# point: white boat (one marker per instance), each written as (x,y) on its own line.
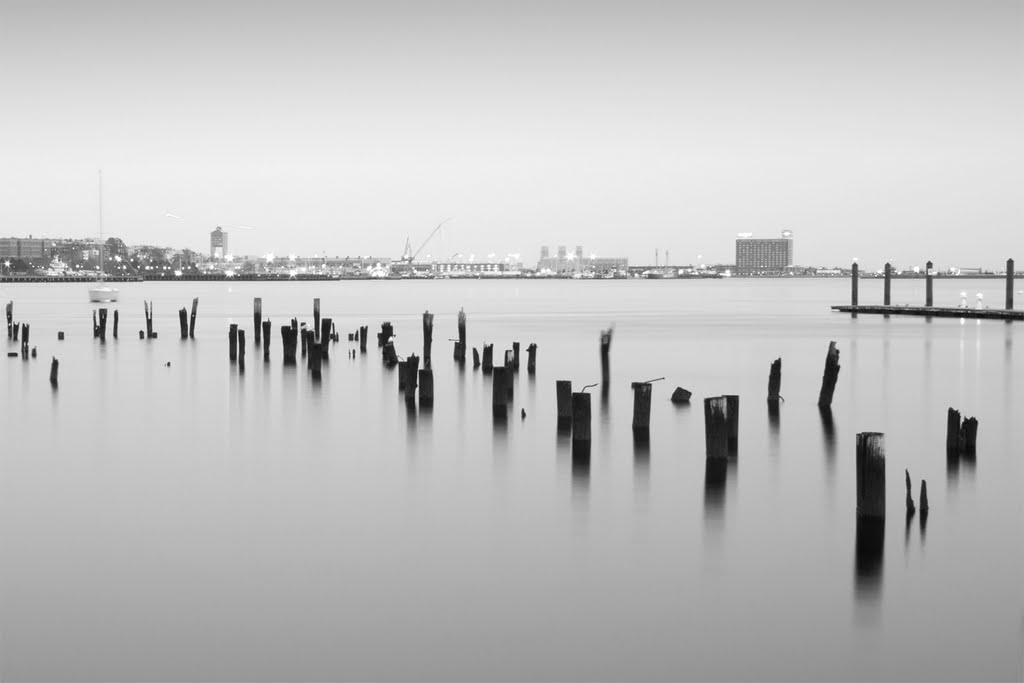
(102,293)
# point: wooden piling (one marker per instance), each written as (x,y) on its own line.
(716,427)
(681,396)
(581,416)
(460,345)
(928,284)
(412,367)
(509,374)
(911,508)
(515,356)
(232,342)
(854,283)
(289,341)
(1009,284)
(499,392)
(60,336)
(563,398)
(149,318)
(387,331)
(732,421)
(924,497)
(266,340)
(952,431)
(16,328)
(53,371)
(183,322)
(257,318)
(316,317)
(887,290)
(488,358)
(871,475)
(325,338)
(389,354)
(95,325)
(531,359)
(775,381)
(115,323)
(25,329)
(830,376)
(476,358)
(428,337)
(401,376)
(103,324)
(192,319)
(363,332)
(10,320)
(968,436)
(606,344)
(315,361)
(426,387)
(641,406)
(241,350)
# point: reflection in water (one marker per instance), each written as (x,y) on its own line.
(910,523)
(641,455)
(500,421)
(828,432)
(773,418)
(715,476)
(868,547)
(580,465)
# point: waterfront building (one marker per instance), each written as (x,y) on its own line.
(764,256)
(568,265)
(17,247)
(218,243)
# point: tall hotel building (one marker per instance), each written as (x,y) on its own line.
(764,256)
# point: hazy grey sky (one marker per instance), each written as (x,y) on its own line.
(877,129)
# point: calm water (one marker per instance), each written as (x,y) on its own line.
(192,523)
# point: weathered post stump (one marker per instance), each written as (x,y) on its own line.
(386,333)
(581,417)
(363,332)
(314,357)
(1009,284)
(499,393)
(412,366)
(775,381)
(488,358)
(10,320)
(60,336)
(887,293)
(148,305)
(515,356)
(95,326)
(266,340)
(531,359)
(871,475)
(289,341)
(476,358)
(316,317)
(115,323)
(460,346)
(257,318)
(641,408)
(183,322)
(928,289)
(241,350)
(681,395)
(103,324)
(854,282)
(716,427)
(606,345)
(401,376)
(830,376)
(732,420)
(563,401)
(232,342)
(428,337)
(53,371)
(325,338)
(910,498)
(426,387)
(192,319)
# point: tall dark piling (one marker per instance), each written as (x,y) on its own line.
(911,508)
(499,393)
(732,421)
(854,282)
(1009,284)
(233,342)
(95,325)
(606,345)
(53,371)
(304,338)
(775,381)
(389,355)
(325,338)
(961,435)
(103,324)
(315,361)
(60,336)
(412,368)
(871,475)
(969,436)
(266,340)
(830,376)
(426,387)
(428,337)
(580,417)
(257,318)
(10,320)
(401,376)
(192,319)
(488,358)
(929,276)
(183,322)
(563,399)
(387,332)
(716,427)
(515,356)
(25,329)
(148,306)
(316,316)
(641,408)
(16,328)
(460,346)
(531,359)
(289,341)
(476,358)
(241,350)
(952,431)
(363,332)
(924,497)
(115,323)
(887,289)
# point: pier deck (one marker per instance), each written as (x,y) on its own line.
(936,312)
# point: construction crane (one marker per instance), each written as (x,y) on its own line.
(408,255)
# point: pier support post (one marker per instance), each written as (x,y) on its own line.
(854,282)
(716,428)
(952,431)
(509,373)
(316,317)
(606,345)
(1009,284)
(460,346)
(499,392)
(10,320)
(531,359)
(928,289)
(488,358)
(428,337)
(53,371)
(364,330)
(266,340)
(476,358)
(257,318)
(641,408)
(289,340)
(412,368)
(563,398)
(581,417)
(775,381)
(871,475)
(241,350)
(325,339)
(515,356)
(115,323)
(192,319)
(232,342)
(732,421)
(887,292)
(830,376)
(426,387)
(148,307)
(183,322)
(314,356)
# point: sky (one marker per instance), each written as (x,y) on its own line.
(875,129)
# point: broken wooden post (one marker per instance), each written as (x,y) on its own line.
(316,316)
(488,358)
(53,371)
(257,318)
(363,332)
(325,338)
(476,358)
(115,323)
(60,336)
(10,320)
(241,350)
(606,343)
(192,319)
(390,356)
(289,341)
(232,342)
(928,289)
(142,334)
(775,381)
(103,324)
(531,359)
(412,367)
(460,345)
(968,436)
(149,318)
(681,395)
(732,420)
(716,427)
(871,475)
(302,334)
(952,431)
(641,407)
(428,337)
(95,326)
(828,379)
(426,387)
(887,288)
(387,332)
(515,356)
(910,498)
(581,417)
(924,498)
(509,374)
(33,352)
(315,361)
(401,376)
(183,322)
(854,281)
(266,340)
(25,329)
(499,393)
(1009,284)
(563,398)
(17,326)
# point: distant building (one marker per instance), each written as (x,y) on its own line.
(567,265)
(764,256)
(218,244)
(579,252)
(17,247)
(544,252)
(561,251)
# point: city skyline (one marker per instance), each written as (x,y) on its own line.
(884,132)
